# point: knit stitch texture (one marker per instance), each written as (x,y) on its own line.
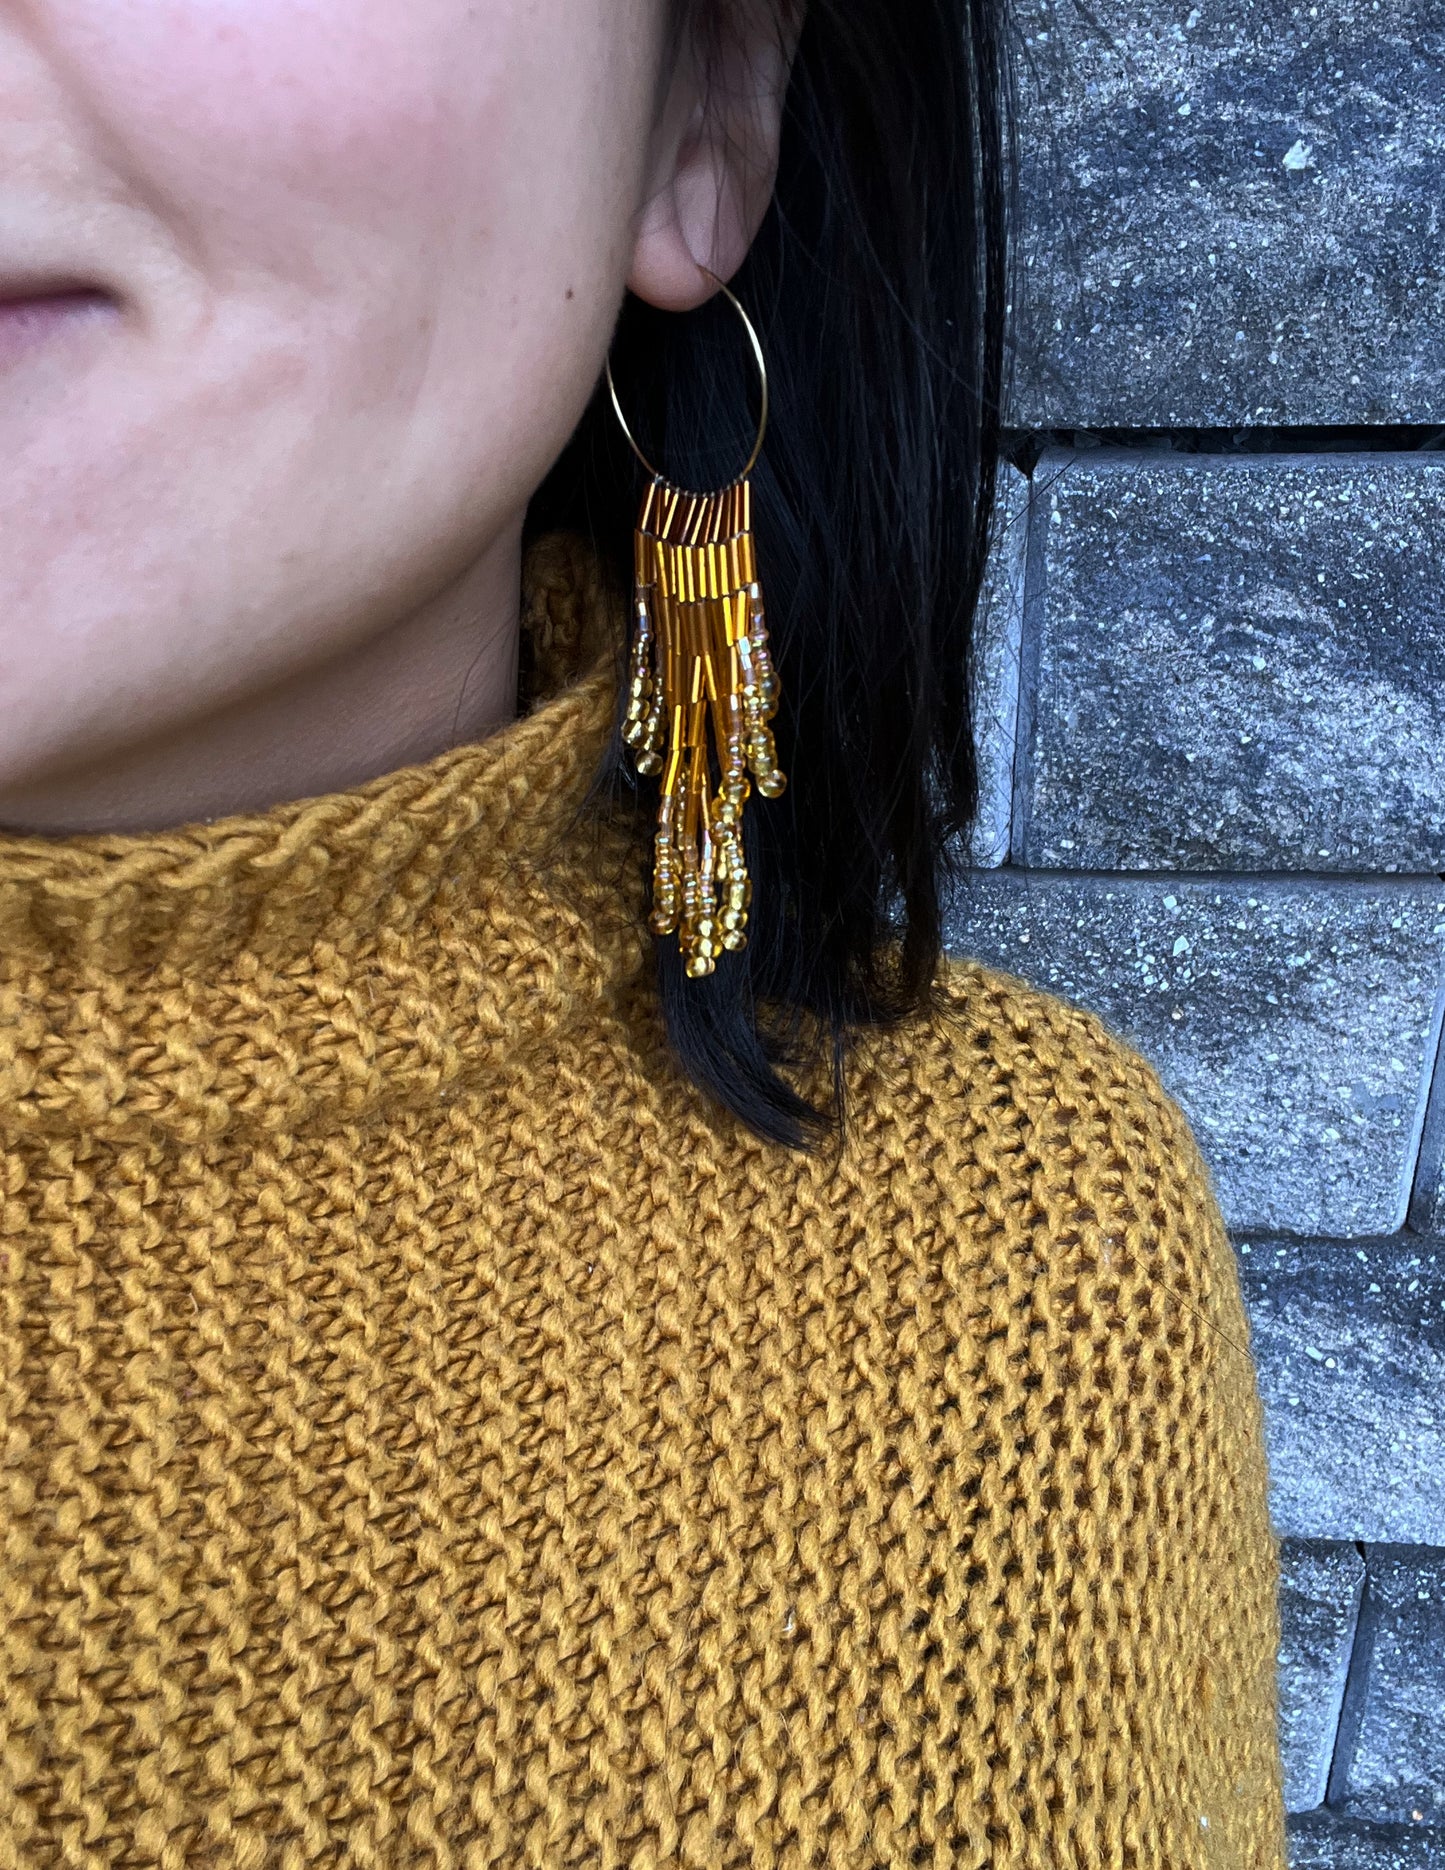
(434,1435)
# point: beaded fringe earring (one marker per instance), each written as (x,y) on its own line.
(700,662)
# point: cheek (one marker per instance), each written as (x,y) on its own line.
(412,210)
(317,142)
(248,124)
(374,249)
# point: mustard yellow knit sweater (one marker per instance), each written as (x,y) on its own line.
(433,1435)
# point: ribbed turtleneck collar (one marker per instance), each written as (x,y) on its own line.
(334,953)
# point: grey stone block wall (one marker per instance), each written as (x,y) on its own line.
(1427,1207)
(1232,214)
(1389,1760)
(1349,1343)
(1236,665)
(1319,1606)
(1319,1840)
(995,675)
(1210,684)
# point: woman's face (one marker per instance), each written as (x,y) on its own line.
(358,263)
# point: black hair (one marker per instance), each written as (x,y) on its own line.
(879,284)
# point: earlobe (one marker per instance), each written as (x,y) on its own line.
(678,242)
(712,181)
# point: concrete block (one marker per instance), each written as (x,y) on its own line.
(1390,1762)
(1321,1840)
(1427,1205)
(1231,214)
(1319,1601)
(1349,1342)
(1293,1021)
(1238,664)
(995,673)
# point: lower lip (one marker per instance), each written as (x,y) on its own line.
(29,325)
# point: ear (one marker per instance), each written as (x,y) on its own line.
(714,155)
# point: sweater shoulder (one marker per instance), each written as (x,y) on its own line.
(989,1028)
(1036,1082)
(1033,1144)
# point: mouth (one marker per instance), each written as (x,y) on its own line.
(33,316)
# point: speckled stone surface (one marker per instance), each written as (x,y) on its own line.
(1323,1841)
(1294,1022)
(1390,1760)
(1235,664)
(995,676)
(1232,214)
(1349,1341)
(1427,1207)
(1319,1600)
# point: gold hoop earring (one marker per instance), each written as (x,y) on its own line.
(700,659)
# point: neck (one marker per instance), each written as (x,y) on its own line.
(493,866)
(442,676)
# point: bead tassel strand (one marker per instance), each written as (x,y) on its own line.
(700,659)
